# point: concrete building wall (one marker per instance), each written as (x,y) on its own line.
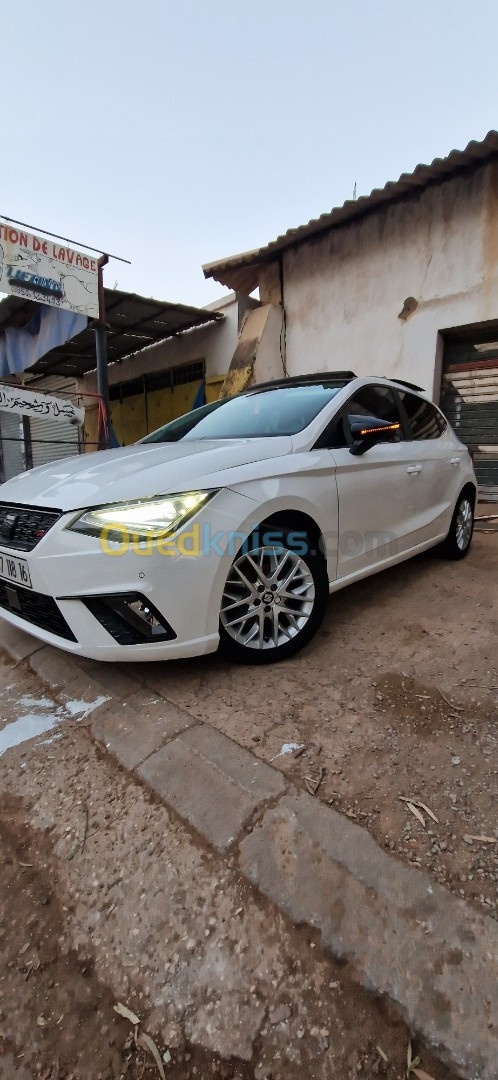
(345,290)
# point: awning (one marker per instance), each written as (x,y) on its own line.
(134,322)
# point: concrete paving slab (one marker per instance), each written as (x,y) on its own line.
(404,935)
(211,782)
(53,666)
(16,643)
(134,731)
(109,676)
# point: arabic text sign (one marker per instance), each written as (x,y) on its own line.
(36,268)
(18,400)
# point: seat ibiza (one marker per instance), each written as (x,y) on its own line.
(231,525)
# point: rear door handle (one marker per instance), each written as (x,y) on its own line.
(413,469)
(455,460)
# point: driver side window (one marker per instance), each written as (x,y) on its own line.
(376,401)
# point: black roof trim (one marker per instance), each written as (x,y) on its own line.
(410,385)
(305,380)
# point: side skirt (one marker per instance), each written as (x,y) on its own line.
(375,568)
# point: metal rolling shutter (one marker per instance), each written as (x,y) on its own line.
(469,399)
(53,439)
(12,445)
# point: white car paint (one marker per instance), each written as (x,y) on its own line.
(404,492)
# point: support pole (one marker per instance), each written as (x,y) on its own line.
(101,352)
(102,380)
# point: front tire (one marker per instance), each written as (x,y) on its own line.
(274,599)
(459,538)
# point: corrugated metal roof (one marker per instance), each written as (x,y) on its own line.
(134,322)
(240,272)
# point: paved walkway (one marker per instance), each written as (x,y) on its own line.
(404,936)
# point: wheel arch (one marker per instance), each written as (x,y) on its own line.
(280,513)
(469,489)
(299,521)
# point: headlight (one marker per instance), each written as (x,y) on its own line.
(145,518)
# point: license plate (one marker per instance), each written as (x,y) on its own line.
(15,570)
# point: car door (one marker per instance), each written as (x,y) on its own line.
(375,493)
(434,473)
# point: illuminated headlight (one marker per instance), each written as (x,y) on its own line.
(147,518)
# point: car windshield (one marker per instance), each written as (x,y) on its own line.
(264,413)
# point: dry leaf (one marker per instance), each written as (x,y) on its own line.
(421,1075)
(128,1015)
(149,1044)
(417,813)
(381,1052)
(411,1062)
(418,802)
(40,1020)
(459,708)
(485,839)
(426,808)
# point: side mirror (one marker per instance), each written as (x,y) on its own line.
(368,430)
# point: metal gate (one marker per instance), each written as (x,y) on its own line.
(31,441)
(51,440)
(469,398)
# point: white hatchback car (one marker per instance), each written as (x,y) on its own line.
(233,523)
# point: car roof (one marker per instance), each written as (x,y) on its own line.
(337,378)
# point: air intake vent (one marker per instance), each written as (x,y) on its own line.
(35,608)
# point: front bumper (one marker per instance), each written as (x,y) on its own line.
(74,578)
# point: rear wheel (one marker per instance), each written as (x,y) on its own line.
(274,599)
(459,539)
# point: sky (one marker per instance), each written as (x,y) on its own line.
(174,134)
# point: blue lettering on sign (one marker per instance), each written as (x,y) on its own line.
(21,277)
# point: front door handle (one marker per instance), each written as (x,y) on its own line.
(412,470)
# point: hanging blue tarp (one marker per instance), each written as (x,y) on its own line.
(200,397)
(21,347)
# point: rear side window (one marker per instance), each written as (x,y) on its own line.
(425,421)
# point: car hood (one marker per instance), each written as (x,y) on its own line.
(138,471)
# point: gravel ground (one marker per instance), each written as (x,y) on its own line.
(395,698)
(105,897)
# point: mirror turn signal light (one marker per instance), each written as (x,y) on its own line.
(380,430)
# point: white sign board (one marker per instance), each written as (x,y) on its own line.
(36,268)
(15,399)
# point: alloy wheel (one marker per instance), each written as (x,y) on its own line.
(463,524)
(268,598)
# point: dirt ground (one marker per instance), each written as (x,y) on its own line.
(105,897)
(396,698)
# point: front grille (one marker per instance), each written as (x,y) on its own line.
(35,608)
(22,527)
